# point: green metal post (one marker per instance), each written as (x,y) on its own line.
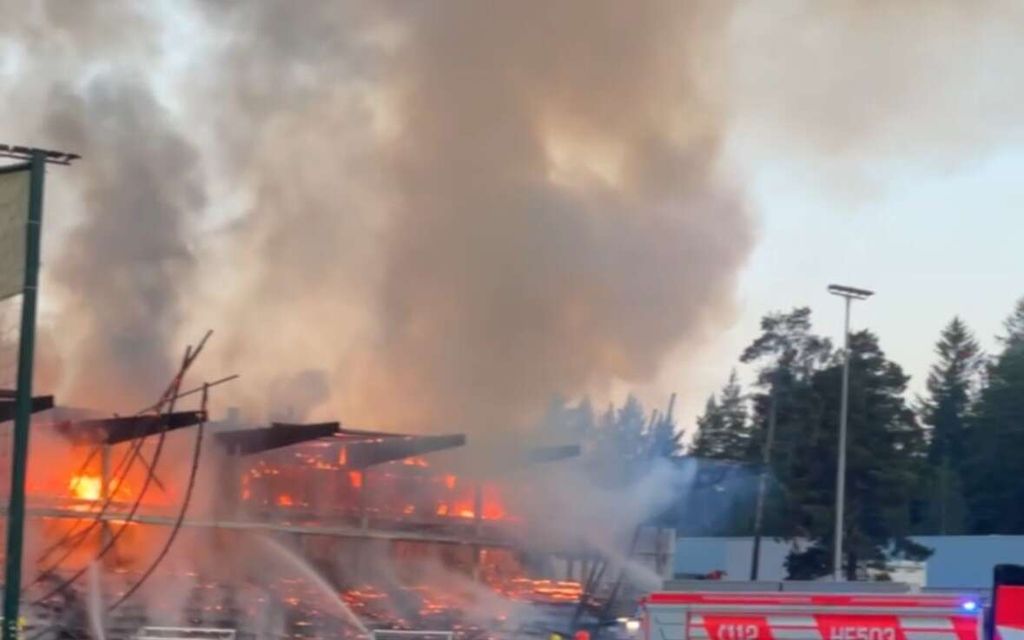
(23,402)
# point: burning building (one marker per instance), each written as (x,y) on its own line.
(307,530)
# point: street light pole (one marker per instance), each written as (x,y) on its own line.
(848,294)
(762,481)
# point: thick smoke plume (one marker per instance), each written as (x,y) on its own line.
(557,220)
(545,213)
(127,266)
(443,213)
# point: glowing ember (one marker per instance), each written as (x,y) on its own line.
(355,478)
(285,500)
(542,590)
(449,481)
(86,487)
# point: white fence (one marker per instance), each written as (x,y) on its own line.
(184,633)
(410,634)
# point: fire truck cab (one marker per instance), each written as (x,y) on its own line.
(808,616)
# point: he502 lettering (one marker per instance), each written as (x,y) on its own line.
(862,633)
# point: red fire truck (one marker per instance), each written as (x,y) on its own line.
(809,616)
(1006,620)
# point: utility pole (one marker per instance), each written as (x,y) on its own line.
(34,161)
(848,294)
(762,482)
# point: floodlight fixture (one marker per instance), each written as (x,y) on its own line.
(849,292)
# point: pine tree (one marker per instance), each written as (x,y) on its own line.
(627,429)
(1014,327)
(952,383)
(723,432)
(787,344)
(884,449)
(627,439)
(710,426)
(788,355)
(995,463)
(664,440)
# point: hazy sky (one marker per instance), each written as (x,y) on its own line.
(932,243)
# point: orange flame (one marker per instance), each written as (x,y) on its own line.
(355,478)
(285,500)
(86,487)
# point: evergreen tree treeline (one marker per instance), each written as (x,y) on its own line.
(951,462)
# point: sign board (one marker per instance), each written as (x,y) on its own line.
(14,197)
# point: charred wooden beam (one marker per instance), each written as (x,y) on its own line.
(122,429)
(362,454)
(39,403)
(276,436)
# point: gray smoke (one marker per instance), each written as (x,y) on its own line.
(453,210)
(484,205)
(850,92)
(117,256)
(127,268)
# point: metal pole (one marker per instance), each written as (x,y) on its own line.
(23,402)
(837,559)
(762,483)
(105,489)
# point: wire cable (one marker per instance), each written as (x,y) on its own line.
(190,356)
(75,537)
(186,500)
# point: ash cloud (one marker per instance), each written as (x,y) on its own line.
(126,269)
(117,257)
(547,213)
(453,210)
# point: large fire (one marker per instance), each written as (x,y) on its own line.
(322,484)
(303,483)
(86,487)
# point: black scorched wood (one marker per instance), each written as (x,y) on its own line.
(123,429)
(390,447)
(39,403)
(276,436)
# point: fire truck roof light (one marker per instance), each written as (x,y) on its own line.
(970,605)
